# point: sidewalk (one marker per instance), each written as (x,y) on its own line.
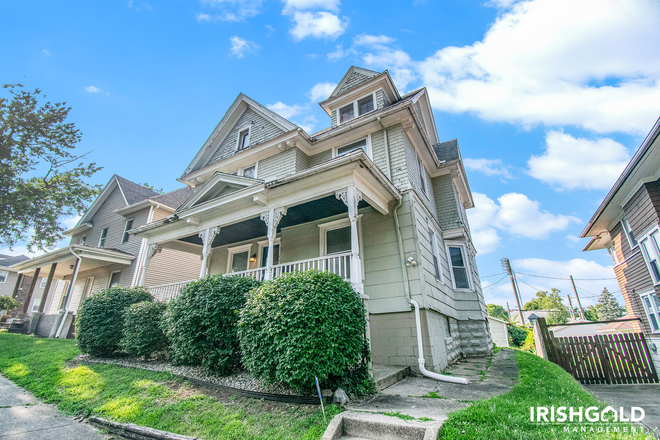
(23,417)
(644,395)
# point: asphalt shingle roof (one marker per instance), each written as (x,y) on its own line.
(175,198)
(8,260)
(133,192)
(447,150)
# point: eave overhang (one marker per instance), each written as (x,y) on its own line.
(105,256)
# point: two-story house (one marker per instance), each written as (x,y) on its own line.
(17,285)
(102,254)
(627,224)
(375,198)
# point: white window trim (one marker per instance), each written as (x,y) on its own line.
(110,277)
(91,286)
(36,303)
(369,150)
(611,249)
(103,237)
(466,260)
(648,312)
(355,108)
(264,244)
(624,222)
(421,169)
(247,127)
(126,230)
(338,224)
(239,172)
(435,247)
(6,276)
(647,236)
(238,250)
(42,283)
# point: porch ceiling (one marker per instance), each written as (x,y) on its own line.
(255,227)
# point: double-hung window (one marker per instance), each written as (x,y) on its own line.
(434,252)
(3,276)
(359,145)
(356,108)
(115,277)
(104,234)
(629,234)
(651,251)
(43,282)
(652,308)
(127,227)
(611,249)
(365,105)
(239,258)
(346,113)
(459,266)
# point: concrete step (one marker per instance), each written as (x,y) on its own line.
(369,426)
(387,375)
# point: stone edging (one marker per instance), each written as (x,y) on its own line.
(135,432)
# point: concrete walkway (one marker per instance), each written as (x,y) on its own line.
(489,376)
(643,395)
(23,417)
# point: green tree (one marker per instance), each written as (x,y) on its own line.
(497,311)
(8,303)
(591,313)
(545,300)
(41,178)
(608,307)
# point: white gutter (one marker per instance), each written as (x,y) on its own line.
(418,323)
(71,287)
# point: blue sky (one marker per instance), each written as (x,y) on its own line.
(548,98)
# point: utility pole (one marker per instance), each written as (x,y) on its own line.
(570,307)
(578,298)
(507,267)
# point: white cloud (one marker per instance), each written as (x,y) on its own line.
(318,25)
(572,239)
(594,64)
(200,16)
(578,163)
(321,91)
(45,52)
(240,46)
(231,10)
(92,89)
(398,62)
(489,167)
(501,4)
(330,5)
(371,40)
(286,111)
(515,214)
(271,30)
(142,7)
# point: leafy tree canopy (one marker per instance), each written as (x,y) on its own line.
(41,177)
(591,313)
(545,300)
(608,307)
(497,311)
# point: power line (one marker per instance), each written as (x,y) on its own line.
(490,276)
(566,279)
(490,287)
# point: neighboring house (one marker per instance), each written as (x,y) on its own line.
(617,327)
(102,254)
(515,318)
(627,224)
(499,330)
(590,329)
(17,285)
(375,198)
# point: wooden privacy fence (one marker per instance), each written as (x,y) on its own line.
(611,359)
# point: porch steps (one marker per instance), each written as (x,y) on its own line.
(351,425)
(387,375)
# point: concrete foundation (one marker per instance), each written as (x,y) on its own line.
(475,338)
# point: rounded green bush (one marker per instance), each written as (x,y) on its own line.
(517,335)
(100,319)
(202,320)
(143,332)
(303,325)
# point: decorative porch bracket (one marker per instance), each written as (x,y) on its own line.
(272,218)
(207,237)
(152,250)
(352,197)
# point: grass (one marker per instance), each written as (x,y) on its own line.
(432,395)
(157,400)
(541,383)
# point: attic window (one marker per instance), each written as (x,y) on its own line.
(346,113)
(244,138)
(365,105)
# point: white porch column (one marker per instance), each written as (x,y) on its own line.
(207,237)
(152,250)
(272,218)
(351,197)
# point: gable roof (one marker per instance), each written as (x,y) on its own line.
(448,150)
(353,78)
(226,124)
(133,192)
(175,198)
(8,260)
(213,187)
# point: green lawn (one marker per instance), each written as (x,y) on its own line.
(541,383)
(157,400)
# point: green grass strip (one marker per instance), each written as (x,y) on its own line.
(541,383)
(153,399)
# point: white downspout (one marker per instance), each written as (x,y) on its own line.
(72,286)
(418,323)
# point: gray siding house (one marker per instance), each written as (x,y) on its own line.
(376,198)
(627,224)
(102,254)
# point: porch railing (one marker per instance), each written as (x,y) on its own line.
(339,264)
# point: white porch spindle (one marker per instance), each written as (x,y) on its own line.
(351,197)
(207,237)
(272,218)
(152,250)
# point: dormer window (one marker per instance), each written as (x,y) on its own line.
(243,138)
(362,144)
(346,113)
(365,105)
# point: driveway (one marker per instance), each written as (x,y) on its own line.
(646,396)
(23,417)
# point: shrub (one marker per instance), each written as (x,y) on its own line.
(517,335)
(100,319)
(202,322)
(143,332)
(303,325)
(8,303)
(529,344)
